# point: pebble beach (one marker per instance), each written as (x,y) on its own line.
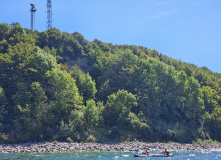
(109,146)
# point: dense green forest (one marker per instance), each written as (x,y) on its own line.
(57,86)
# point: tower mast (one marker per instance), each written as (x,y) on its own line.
(33,10)
(49,14)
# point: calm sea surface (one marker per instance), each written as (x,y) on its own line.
(184,155)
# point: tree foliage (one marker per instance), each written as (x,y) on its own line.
(128,92)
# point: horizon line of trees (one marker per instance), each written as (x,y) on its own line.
(129,92)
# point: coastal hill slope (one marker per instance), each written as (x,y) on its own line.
(57,86)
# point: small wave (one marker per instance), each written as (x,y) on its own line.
(126,155)
(38,155)
(193,155)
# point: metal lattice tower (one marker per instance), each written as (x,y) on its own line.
(33,10)
(49,14)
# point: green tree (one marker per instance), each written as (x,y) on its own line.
(41,60)
(4,33)
(92,113)
(18,35)
(118,107)
(30,111)
(86,85)
(66,96)
(210,97)
(3,101)
(194,102)
(4,30)
(38,101)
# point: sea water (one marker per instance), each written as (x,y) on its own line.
(178,155)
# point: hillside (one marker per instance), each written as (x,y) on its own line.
(57,86)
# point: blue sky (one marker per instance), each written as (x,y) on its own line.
(186,30)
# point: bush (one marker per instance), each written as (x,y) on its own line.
(69,140)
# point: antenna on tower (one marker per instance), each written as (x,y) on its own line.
(33,10)
(49,14)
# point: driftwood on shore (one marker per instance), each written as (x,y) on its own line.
(123,147)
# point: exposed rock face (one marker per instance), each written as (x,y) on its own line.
(82,61)
(122,147)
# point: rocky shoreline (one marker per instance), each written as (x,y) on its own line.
(96,147)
